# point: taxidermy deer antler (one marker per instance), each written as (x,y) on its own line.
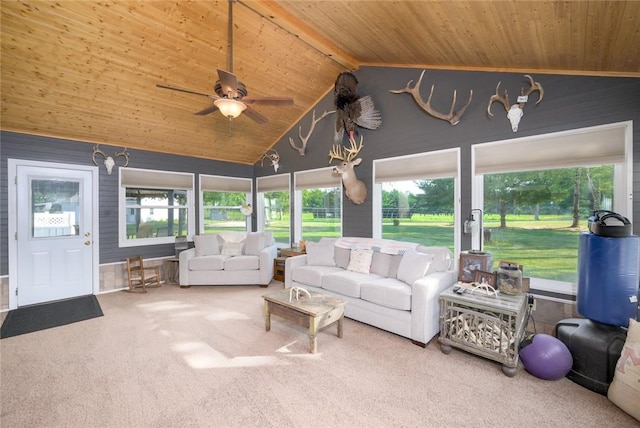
(274,157)
(453,117)
(515,112)
(109,161)
(304,140)
(355,189)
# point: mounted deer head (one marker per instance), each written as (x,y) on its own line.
(109,161)
(304,140)
(274,157)
(355,189)
(514,112)
(453,117)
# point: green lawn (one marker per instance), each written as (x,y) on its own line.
(547,247)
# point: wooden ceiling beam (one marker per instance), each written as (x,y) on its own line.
(272,12)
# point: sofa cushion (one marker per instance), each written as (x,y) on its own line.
(242,263)
(320,254)
(206,245)
(388,292)
(232,248)
(360,261)
(254,243)
(207,262)
(312,275)
(346,282)
(342,256)
(413,266)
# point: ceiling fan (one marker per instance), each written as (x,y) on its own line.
(231,94)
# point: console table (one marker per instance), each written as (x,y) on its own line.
(487,325)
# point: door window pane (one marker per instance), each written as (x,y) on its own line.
(55,208)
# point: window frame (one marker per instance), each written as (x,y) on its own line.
(563,291)
(133,178)
(260,202)
(223,184)
(446,171)
(319,182)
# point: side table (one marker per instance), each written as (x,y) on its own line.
(172,270)
(487,325)
(278,268)
(290,252)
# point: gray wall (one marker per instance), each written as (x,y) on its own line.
(569,102)
(30,147)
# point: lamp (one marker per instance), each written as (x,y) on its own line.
(229,107)
(474,228)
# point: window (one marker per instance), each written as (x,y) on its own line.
(221,199)
(273,212)
(155,206)
(537,194)
(318,204)
(414,198)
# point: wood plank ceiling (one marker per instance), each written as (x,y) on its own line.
(87,70)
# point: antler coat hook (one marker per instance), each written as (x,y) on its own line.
(109,161)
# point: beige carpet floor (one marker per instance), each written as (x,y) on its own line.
(200,357)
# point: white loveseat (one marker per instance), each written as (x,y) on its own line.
(229,258)
(388,284)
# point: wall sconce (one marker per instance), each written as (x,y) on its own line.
(274,157)
(109,161)
(474,227)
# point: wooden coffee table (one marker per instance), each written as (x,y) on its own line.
(315,312)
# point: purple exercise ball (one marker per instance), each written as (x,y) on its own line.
(545,356)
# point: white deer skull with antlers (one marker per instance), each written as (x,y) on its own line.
(515,112)
(109,161)
(273,157)
(355,189)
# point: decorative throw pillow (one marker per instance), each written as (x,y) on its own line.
(413,266)
(232,248)
(624,390)
(360,261)
(342,256)
(206,245)
(380,264)
(233,236)
(254,243)
(320,254)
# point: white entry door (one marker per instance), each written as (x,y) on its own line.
(54,233)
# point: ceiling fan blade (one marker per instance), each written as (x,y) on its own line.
(188,91)
(229,83)
(269,101)
(255,116)
(208,110)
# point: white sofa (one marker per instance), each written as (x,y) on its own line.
(388,284)
(229,258)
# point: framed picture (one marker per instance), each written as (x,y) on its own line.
(481,276)
(470,263)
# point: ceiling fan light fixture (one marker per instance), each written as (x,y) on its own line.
(229,107)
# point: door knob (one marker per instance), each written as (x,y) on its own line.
(87,234)
(87,242)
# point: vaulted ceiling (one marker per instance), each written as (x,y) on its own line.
(87,70)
